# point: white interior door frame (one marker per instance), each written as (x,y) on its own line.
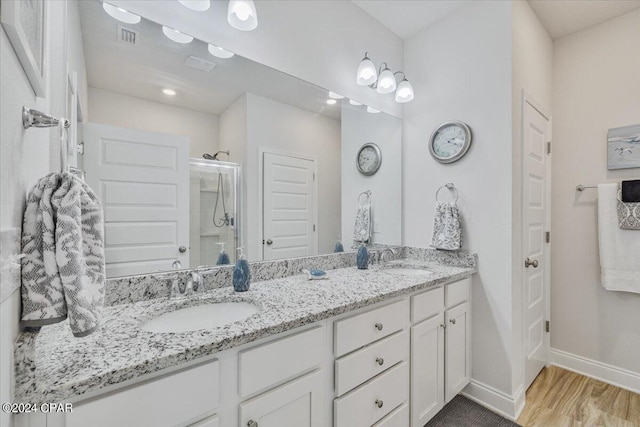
(527,98)
(261,152)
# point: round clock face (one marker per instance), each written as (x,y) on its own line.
(450,141)
(369,159)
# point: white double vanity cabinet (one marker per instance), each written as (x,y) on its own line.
(392,364)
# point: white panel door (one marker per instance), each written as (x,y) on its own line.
(142,179)
(457,349)
(535,213)
(289,207)
(427,369)
(297,403)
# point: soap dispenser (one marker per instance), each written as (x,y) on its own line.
(339,247)
(362,257)
(241,273)
(223,258)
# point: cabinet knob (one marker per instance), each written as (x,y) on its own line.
(379,403)
(378,326)
(528,262)
(443,326)
(380,361)
(269,242)
(182,249)
(252,423)
(453,321)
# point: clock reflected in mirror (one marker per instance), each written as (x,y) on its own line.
(450,141)
(369,159)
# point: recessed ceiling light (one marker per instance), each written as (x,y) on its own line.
(219,52)
(197,5)
(331,101)
(335,95)
(120,14)
(352,102)
(372,110)
(169,92)
(176,35)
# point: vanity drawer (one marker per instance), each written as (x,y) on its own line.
(277,361)
(399,417)
(362,365)
(365,328)
(457,292)
(427,304)
(367,404)
(174,399)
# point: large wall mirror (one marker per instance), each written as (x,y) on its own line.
(192,149)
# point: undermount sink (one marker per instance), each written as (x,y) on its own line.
(408,271)
(204,316)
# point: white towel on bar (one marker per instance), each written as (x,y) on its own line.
(619,249)
(63,271)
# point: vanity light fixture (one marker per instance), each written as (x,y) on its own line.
(383,80)
(120,14)
(335,95)
(197,5)
(169,92)
(356,103)
(219,52)
(176,35)
(242,15)
(331,101)
(372,110)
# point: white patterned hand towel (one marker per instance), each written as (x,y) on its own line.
(362,230)
(619,249)
(63,271)
(447,229)
(628,212)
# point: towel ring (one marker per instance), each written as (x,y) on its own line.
(364,193)
(448,186)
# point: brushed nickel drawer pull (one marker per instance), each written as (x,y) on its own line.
(378,326)
(380,361)
(379,403)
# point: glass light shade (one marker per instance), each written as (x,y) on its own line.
(120,14)
(169,92)
(386,82)
(176,35)
(197,5)
(331,101)
(367,73)
(242,15)
(219,52)
(335,95)
(372,110)
(356,103)
(404,93)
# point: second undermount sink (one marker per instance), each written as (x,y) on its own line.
(408,271)
(204,316)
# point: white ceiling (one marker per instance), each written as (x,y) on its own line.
(563,17)
(156,62)
(559,17)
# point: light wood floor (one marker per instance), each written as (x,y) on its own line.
(561,398)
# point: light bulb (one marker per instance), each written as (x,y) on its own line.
(372,110)
(219,52)
(356,103)
(331,101)
(386,82)
(120,14)
(367,73)
(335,95)
(404,92)
(197,5)
(242,15)
(176,35)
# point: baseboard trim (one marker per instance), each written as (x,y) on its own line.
(495,400)
(613,375)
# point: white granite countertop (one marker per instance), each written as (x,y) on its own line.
(53,366)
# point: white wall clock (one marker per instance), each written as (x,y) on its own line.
(450,141)
(369,159)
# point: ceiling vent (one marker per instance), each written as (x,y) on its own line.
(127,36)
(199,64)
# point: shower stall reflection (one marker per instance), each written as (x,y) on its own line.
(214,210)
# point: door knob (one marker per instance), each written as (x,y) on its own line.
(528,262)
(182,249)
(269,242)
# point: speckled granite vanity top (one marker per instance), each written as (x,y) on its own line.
(54,366)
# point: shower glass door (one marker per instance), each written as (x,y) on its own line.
(214,210)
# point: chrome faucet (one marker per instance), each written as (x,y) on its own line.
(194,285)
(384,252)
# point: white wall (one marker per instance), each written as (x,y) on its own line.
(320,41)
(596,84)
(463,65)
(111,108)
(358,128)
(532,71)
(25,156)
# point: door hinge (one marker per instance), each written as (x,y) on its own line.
(547,236)
(80,148)
(314,176)
(549,147)
(546,326)
(314,227)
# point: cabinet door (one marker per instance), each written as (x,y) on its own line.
(457,349)
(297,403)
(427,369)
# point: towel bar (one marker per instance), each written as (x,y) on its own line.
(35,118)
(581,187)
